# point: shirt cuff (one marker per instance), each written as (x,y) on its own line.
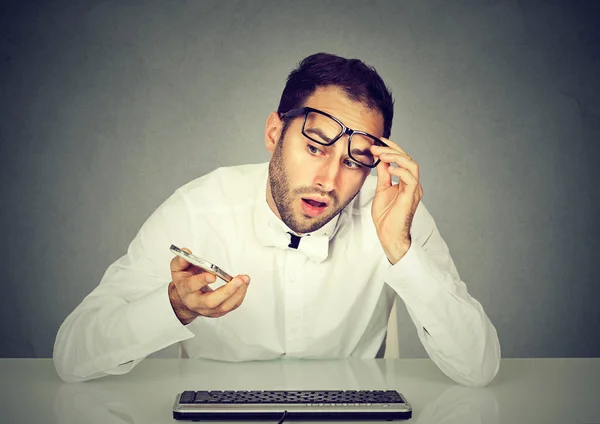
(153,322)
(416,275)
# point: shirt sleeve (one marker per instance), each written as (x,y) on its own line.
(452,326)
(128,315)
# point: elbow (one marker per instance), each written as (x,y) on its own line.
(482,377)
(60,360)
(474,374)
(74,365)
(64,366)
(64,371)
(490,366)
(65,359)
(482,360)
(482,368)
(476,366)
(65,374)
(489,360)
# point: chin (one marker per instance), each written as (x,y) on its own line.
(311,225)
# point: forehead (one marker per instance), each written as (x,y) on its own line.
(355,115)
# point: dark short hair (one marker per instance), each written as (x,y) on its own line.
(361,83)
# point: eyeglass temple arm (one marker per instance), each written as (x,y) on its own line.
(293,113)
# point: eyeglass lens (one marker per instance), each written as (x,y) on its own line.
(323,129)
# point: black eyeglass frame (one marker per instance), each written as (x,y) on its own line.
(293,113)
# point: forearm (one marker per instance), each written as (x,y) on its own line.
(452,325)
(111,335)
(460,339)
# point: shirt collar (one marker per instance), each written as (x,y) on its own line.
(272,231)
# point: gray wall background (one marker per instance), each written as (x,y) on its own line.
(108,106)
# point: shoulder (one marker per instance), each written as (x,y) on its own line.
(225,186)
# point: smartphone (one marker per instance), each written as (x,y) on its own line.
(201,263)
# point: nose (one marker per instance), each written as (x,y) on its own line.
(327,174)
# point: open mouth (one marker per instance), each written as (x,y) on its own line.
(313,207)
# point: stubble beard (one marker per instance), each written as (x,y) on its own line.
(284,197)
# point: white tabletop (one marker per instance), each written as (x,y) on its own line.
(525,390)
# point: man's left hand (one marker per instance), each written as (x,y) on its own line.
(394,204)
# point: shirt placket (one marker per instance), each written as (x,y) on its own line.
(293,289)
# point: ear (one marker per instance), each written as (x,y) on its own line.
(273,131)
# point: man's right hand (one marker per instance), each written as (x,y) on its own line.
(191,296)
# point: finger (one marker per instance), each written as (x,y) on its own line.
(384,178)
(394,146)
(405,176)
(180,268)
(206,289)
(231,303)
(188,272)
(196,283)
(179,264)
(402,161)
(214,299)
(378,151)
(381,152)
(397,158)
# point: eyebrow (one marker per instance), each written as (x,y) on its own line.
(363,152)
(318,132)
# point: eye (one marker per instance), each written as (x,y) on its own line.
(352,164)
(313,150)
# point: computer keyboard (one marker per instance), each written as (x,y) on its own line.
(295,404)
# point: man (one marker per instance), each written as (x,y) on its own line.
(325,245)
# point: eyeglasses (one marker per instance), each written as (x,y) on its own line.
(326,129)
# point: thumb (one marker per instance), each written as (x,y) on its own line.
(384,178)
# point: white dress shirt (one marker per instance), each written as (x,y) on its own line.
(330,298)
